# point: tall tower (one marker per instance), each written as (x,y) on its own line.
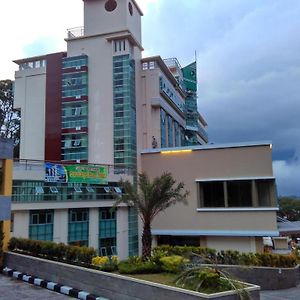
(101,71)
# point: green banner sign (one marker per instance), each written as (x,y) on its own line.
(87,174)
(76,173)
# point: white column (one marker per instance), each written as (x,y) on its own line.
(122,232)
(94,228)
(21,224)
(60,226)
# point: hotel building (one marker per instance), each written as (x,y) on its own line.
(100,112)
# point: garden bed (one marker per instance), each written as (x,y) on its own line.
(112,286)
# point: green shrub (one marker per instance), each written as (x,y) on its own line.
(137,266)
(53,251)
(230,257)
(173,264)
(105,263)
(206,280)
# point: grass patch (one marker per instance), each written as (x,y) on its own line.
(169,279)
(163,278)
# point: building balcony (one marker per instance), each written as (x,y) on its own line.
(76,32)
(32,184)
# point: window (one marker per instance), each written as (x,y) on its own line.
(264,192)
(170,132)
(77,189)
(118,190)
(78,228)
(41,225)
(53,189)
(239,193)
(1,175)
(90,189)
(212,194)
(39,190)
(77,143)
(163,128)
(235,193)
(107,189)
(133,234)
(107,231)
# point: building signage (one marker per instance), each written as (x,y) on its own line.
(76,173)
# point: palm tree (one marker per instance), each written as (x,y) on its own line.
(149,198)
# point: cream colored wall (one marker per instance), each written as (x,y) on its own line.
(60,205)
(94,228)
(98,21)
(241,244)
(21,224)
(100,104)
(30,87)
(60,226)
(214,163)
(152,101)
(122,232)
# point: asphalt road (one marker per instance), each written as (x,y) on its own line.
(13,289)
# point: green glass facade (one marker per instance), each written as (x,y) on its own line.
(39,191)
(191,109)
(133,233)
(163,128)
(41,225)
(107,232)
(78,227)
(74,123)
(124,100)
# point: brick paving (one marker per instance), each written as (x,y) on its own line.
(12,289)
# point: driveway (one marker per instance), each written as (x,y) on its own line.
(14,289)
(289,294)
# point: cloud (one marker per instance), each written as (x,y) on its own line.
(287,177)
(248,60)
(248,70)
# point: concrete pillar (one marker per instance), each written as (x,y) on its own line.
(255,202)
(21,224)
(225,194)
(7,190)
(122,232)
(94,228)
(60,226)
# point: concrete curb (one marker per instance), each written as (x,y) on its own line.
(52,286)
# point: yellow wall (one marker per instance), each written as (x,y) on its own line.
(7,190)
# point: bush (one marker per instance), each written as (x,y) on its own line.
(229,257)
(105,263)
(137,266)
(53,251)
(206,280)
(174,263)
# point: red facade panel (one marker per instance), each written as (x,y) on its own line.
(53,107)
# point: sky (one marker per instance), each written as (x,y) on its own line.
(248,58)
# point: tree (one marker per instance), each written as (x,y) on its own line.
(149,198)
(289,208)
(9,118)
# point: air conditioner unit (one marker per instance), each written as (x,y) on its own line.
(78,128)
(78,67)
(78,97)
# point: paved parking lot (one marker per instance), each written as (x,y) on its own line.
(289,294)
(12,289)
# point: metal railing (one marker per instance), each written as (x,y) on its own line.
(75,32)
(39,165)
